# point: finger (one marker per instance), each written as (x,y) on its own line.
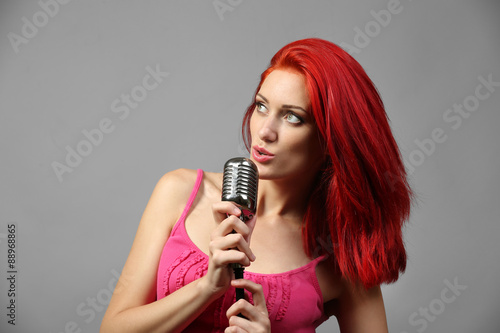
(234,329)
(242,324)
(225,258)
(225,226)
(253,320)
(241,227)
(243,307)
(222,209)
(229,225)
(231,249)
(259,299)
(236,241)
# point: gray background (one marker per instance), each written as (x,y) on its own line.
(74,233)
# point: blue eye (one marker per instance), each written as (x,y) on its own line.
(260,107)
(292,118)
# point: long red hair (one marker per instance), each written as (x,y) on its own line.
(361,198)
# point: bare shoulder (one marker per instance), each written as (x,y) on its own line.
(184,179)
(199,220)
(179,176)
(209,192)
(175,188)
(172,191)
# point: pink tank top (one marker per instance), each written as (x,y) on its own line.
(294,299)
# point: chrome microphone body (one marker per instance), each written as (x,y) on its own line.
(240,185)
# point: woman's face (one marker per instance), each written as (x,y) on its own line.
(285,141)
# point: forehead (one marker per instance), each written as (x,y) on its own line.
(285,87)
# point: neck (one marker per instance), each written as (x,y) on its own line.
(285,199)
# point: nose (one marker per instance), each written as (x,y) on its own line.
(268,131)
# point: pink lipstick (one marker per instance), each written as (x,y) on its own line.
(261,155)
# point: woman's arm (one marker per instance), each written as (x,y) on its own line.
(133,307)
(359,310)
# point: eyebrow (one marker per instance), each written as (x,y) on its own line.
(286,106)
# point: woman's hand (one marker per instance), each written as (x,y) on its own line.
(227,247)
(256,317)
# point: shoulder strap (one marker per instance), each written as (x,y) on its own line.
(196,187)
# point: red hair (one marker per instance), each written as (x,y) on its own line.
(361,197)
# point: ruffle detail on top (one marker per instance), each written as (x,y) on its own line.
(188,264)
(180,260)
(285,297)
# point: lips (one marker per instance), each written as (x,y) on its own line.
(261,154)
(262,151)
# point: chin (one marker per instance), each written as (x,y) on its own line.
(276,174)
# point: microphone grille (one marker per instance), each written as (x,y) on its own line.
(240,182)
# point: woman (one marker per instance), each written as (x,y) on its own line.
(332,200)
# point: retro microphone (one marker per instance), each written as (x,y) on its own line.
(239,185)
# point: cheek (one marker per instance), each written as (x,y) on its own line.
(297,146)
